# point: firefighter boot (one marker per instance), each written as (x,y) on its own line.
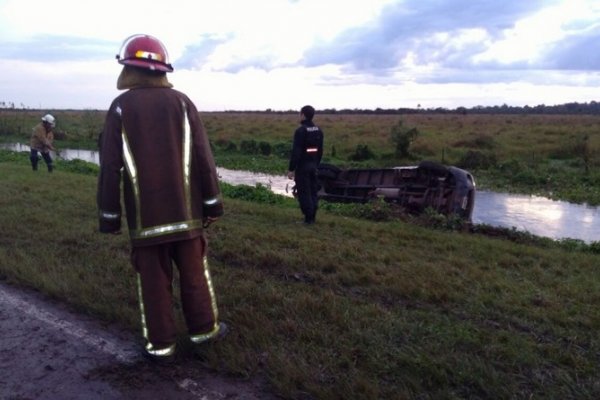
(198,341)
(165,355)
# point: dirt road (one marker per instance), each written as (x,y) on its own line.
(49,352)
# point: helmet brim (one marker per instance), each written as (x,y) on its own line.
(145,64)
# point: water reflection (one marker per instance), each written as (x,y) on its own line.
(85,155)
(537,215)
(63,154)
(277,184)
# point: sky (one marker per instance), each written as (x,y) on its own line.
(283,54)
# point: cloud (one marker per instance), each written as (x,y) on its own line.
(196,55)
(376,53)
(421,33)
(577,52)
(57,48)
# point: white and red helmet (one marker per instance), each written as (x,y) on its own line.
(144,51)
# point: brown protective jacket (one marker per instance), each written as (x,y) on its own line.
(41,140)
(170,181)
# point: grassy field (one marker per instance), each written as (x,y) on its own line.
(556,156)
(444,137)
(347,308)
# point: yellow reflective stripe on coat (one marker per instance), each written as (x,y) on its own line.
(186,159)
(166,229)
(139,231)
(132,172)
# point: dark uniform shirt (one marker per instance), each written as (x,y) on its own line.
(307,149)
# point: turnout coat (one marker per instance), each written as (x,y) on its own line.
(154,142)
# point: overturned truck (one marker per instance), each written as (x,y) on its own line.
(448,190)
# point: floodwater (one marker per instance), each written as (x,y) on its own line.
(538,215)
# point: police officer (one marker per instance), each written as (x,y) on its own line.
(307,152)
(154,134)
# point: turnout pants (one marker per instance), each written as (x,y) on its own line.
(154,265)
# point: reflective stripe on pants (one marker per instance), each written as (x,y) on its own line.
(154,265)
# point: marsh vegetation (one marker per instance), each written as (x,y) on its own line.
(556,155)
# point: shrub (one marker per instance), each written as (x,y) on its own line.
(479,141)
(226,145)
(282,150)
(376,210)
(402,138)
(474,159)
(595,247)
(249,146)
(511,167)
(361,153)
(79,166)
(423,149)
(573,244)
(430,217)
(264,148)
(259,193)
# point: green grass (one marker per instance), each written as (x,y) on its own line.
(556,156)
(348,308)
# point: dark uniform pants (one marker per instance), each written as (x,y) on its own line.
(154,265)
(33,157)
(307,187)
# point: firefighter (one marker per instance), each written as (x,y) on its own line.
(171,193)
(41,141)
(307,151)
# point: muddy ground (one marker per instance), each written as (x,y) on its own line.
(47,351)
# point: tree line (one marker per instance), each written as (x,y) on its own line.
(575,108)
(592,107)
